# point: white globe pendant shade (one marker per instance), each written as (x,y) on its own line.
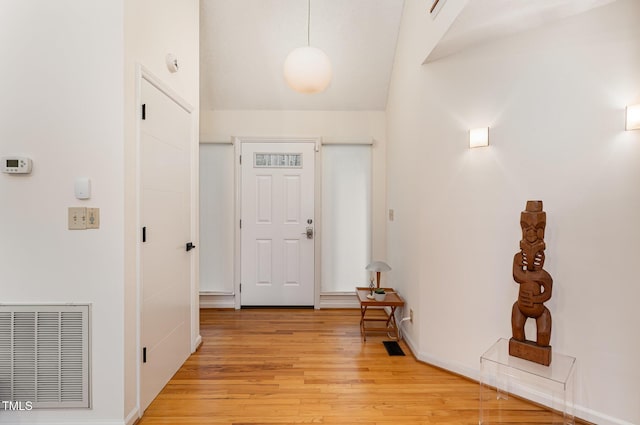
(307,70)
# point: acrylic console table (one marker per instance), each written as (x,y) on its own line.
(502,374)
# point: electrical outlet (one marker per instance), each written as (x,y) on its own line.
(411,315)
(93,218)
(77,218)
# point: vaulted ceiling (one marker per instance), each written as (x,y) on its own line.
(243,45)
(484,20)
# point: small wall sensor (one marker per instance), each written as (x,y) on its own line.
(83,188)
(172,63)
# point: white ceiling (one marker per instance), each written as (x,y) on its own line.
(243,45)
(482,21)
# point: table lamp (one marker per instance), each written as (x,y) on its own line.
(378,266)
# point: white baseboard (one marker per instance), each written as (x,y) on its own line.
(196,344)
(132,417)
(41,421)
(598,418)
(209,300)
(339,300)
(330,300)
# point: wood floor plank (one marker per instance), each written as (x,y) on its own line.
(288,366)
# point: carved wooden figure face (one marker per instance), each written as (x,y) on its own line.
(533,222)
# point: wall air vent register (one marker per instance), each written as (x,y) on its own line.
(44,355)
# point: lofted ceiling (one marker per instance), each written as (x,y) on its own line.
(482,21)
(243,45)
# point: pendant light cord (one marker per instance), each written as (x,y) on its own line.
(308,23)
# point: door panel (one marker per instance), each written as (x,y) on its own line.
(292,201)
(264,259)
(277,196)
(159,155)
(165,136)
(292,262)
(264,194)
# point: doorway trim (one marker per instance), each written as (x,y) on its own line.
(143,73)
(237,143)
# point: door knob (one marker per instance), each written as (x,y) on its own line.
(308,232)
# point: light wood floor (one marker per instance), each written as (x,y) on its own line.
(286,366)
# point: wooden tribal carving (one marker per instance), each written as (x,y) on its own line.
(535,288)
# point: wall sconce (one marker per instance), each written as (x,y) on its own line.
(479,137)
(633,117)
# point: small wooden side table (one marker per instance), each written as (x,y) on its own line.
(391,300)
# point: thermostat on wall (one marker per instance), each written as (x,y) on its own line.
(16,164)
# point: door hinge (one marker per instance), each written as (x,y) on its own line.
(144,354)
(240,159)
(144,111)
(241,288)
(144,234)
(241,223)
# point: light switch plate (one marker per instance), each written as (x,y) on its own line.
(93,218)
(77,218)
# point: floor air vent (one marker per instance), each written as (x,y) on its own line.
(44,355)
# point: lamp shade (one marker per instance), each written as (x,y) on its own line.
(307,70)
(378,266)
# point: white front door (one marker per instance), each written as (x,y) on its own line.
(165,134)
(277,196)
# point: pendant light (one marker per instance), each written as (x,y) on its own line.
(307,69)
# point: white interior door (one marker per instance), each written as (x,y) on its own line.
(277,196)
(165,134)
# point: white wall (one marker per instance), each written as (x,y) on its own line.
(62,105)
(336,126)
(154,28)
(554,98)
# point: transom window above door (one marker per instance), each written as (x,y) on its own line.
(277,160)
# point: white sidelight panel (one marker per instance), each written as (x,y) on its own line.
(217,221)
(346,217)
